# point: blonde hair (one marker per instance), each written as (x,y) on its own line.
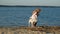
(36,10)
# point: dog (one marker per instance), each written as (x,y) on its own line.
(33,19)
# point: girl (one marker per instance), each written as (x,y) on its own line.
(33,18)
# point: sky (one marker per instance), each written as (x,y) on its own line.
(31,2)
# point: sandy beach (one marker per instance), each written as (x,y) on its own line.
(30,30)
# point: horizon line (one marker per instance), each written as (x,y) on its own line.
(27,6)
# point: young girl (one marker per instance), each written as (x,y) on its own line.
(33,18)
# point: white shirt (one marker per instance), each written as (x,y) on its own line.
(34,16)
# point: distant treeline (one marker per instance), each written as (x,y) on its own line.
(29,6)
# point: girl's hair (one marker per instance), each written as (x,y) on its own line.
(36,10)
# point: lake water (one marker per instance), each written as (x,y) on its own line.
(19,16)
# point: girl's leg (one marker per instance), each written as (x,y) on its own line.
(29,24)
(34,24)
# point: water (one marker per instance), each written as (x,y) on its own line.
(19,16)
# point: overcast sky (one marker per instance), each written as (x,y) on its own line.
(31,2)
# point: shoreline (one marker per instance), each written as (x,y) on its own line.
(40,28)
(30,30)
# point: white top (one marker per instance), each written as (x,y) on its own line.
(34,16)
